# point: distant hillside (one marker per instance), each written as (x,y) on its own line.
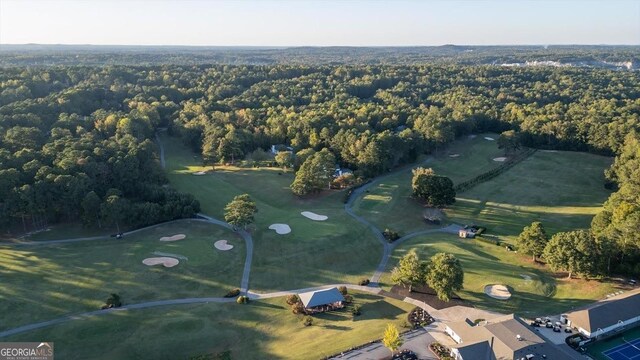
(610,57)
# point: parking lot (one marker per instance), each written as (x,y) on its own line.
(548,333)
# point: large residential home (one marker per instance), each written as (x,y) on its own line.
(607,316)
(504,338)
(322,300)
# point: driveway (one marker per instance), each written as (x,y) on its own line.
(416,341)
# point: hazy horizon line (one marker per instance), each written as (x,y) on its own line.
(319,46)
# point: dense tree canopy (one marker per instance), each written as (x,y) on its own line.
(434,190)
(575,252)
(532,240)
(315,174)
(616,226)
(66,131)
(444,275)
(240,211)
(409,271)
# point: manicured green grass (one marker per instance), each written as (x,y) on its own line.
(485,264)
(259,330)
(70,231)
(314,253)
(563,190)
(45,282)
(598,348)
(389,204)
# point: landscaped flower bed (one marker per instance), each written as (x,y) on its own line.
(419,317)
(441,351)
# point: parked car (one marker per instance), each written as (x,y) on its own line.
(567,330)
(556,329)
(549,325)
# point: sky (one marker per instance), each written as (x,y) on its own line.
(319,23)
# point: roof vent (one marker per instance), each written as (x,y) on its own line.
(519,337)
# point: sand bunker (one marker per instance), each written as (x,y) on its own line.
(454,155)
(181,257)
(499,292)
(164,261)
(525,277)
(314,216)
(500,159)
(173,238)
(489,138)
(222,245)
(200,173)
(280,228)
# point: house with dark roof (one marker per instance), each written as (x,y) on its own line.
(322,300)
(607,316)
(504,338)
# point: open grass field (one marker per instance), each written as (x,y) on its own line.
(563,190)
(597,349)
(46,282)
(314,253)
(260,330)
(69,231)
(535,291)
(388,204)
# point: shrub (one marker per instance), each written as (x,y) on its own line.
(242,299)
(390,235)
(405,324)
(441,351)
(343,290)
(356,310)
(297,308)
(348,299)
(364,282)
(233,293)
(293,299)
(307,320)
(112,301)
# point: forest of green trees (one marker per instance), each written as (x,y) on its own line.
(77,142)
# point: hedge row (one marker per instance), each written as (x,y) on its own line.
(466,185)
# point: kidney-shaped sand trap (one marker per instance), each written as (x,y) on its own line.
(164,261)
(222,245)
(280,228)
(454,155)
(499,292)
(173,238)
(198,173)
(500,159)
(489,138)
(314,216)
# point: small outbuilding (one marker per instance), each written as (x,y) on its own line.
(322,300)
(467,233)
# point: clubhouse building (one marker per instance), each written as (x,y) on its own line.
(608,316)
(505,337)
